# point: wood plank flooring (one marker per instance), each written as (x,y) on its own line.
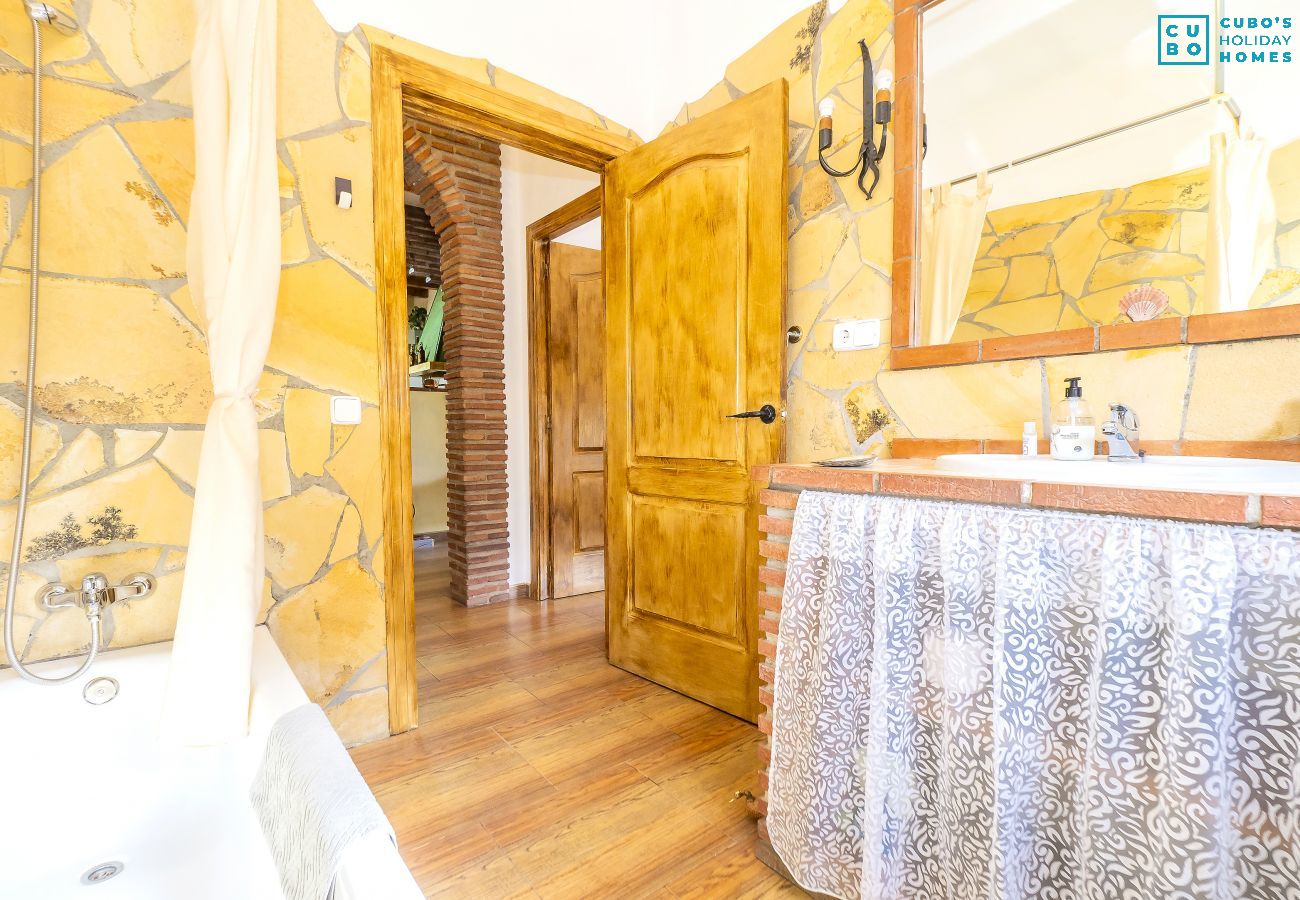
(539,770)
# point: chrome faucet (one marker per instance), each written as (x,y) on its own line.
(1121,431)
(96,593)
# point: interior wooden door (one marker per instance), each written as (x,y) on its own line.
(576,329)
(694,225)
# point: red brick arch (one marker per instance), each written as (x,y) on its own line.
(458,179)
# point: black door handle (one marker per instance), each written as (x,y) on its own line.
(765,414)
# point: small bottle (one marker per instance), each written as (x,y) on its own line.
(1074,436)
(1029,440)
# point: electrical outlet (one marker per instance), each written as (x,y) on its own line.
(345,410)
(861,334)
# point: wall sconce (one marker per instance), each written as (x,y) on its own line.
(869,154)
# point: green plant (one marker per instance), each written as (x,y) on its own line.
(416,317)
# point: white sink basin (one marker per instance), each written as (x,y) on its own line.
(1197,473)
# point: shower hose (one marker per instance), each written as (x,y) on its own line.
(15,556)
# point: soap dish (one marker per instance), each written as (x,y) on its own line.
(847,462)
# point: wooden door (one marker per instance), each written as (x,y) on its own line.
(576,328)
(694,225)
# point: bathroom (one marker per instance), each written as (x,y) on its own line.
(545,745)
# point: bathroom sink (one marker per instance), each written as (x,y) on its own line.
(1200,473)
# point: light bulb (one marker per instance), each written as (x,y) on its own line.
(826,108)
(884,80)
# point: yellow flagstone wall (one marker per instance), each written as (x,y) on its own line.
(839,264)
(1066,262)
(122,383)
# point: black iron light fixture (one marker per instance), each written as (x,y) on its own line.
(869,154)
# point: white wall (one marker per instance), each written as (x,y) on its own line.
(635,62)
(585,235)
(531,187)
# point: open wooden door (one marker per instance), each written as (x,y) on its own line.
(576,316)
(695,242)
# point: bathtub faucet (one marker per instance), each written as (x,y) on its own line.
(96,593)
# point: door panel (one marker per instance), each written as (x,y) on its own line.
(589,506)
(576,338)
(709,606)
(589,300)
(684,341)
(694,226)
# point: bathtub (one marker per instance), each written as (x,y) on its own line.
(84,786)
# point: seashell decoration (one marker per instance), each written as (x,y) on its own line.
(1144,303)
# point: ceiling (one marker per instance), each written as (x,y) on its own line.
(634,62)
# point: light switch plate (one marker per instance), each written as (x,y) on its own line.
(345,410)
(860,334)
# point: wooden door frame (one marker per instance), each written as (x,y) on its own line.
(402,85)
(578,211)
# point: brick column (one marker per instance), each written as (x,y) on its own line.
(458,179)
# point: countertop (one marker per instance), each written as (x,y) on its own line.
(1236,505)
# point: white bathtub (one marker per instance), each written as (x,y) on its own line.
(85,785)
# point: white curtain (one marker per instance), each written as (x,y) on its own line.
(234,275)
(951,225)
(1243,222)
(978,702)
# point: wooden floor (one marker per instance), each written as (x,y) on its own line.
(539,770)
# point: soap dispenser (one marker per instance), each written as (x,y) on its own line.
(1074,436)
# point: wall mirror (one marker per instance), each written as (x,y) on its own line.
(1068,194)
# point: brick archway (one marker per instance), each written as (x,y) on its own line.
(458,179)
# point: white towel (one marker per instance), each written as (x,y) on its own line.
(312,802)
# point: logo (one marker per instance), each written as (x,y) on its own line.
(1183,40)
(1264,39)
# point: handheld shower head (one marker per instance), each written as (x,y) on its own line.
(43,12)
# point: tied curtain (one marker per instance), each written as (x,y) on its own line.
(982,702)
(234,274)
(951,225)
(1243,222)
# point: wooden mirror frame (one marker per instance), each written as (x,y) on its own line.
(1208,328)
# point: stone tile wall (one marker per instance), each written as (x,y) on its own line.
(122,381)
(117,435)
(1066,262)
(840,256)
(123,385)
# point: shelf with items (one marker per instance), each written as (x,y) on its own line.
(428,376)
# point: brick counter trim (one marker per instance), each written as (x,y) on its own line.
(775,526)
(1224,508)
(1282,512)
